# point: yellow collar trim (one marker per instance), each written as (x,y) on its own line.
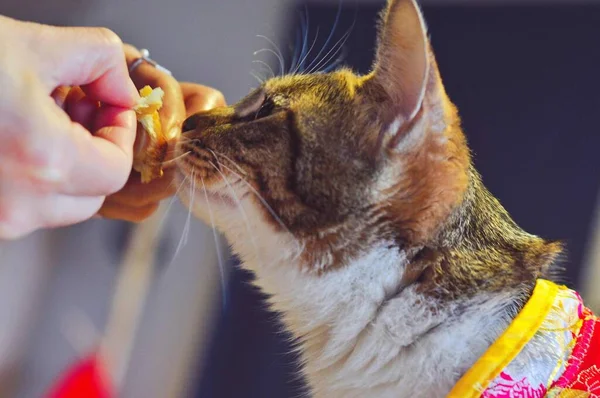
(510,343)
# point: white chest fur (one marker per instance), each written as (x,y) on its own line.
(358,335)
(358,338)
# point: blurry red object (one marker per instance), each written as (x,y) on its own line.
(85,379)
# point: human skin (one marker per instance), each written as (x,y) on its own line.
(68,130)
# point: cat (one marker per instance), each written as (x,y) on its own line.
(355,202)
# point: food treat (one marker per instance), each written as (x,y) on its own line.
(149,161)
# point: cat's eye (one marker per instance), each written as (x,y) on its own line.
(255,106)
(266,109)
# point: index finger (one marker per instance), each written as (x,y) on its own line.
(172,113)
(88,57)
(199,98)
(64,157)
(103,160)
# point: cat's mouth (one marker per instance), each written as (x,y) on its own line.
(195,193)
(206,187)
(207,179)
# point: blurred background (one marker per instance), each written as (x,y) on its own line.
(524,75)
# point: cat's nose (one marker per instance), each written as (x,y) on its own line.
(190,123)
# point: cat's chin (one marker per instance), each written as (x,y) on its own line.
(216,199)
(200,198)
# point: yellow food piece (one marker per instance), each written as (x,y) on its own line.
(149,161)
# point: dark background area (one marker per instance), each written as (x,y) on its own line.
(525,79)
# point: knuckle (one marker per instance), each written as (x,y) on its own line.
(26,152)
(216,98)
(36,172)
(110,39)
(18,153)
(43,160)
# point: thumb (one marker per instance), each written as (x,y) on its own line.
(92,58)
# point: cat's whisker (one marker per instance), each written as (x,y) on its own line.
(266,65)
(278,56)
(264,75)
(241,209)
(185,232)
(335,49)
(340,59)
(334,64)
(304,29)
(281,59)
(299,250)
(335,24)
(217,246)
(183,155)
(259,196)
(180,140)
(296,47)
(217,154)
(171,201)
(258,79)
(301,68)
(265,204)
(331,54)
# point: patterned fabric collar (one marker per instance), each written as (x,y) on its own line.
(551,349)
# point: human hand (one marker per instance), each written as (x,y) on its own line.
(137,201)
(53,170)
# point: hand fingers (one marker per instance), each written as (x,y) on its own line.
(88,57)
(103,166)
(118,211)
(80,108)
(137,194)
(172,114)
(109,118)
(51,148)
(200,98)
(137,201)
(22,215)
(68,210)
(91,165)
(94,117)
(75,161)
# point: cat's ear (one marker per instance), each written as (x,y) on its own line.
(402,60)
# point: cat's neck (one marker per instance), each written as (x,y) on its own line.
(362,330)
(361,334)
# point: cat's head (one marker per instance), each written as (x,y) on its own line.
(335,160)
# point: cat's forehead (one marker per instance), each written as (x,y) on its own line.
(320,86)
